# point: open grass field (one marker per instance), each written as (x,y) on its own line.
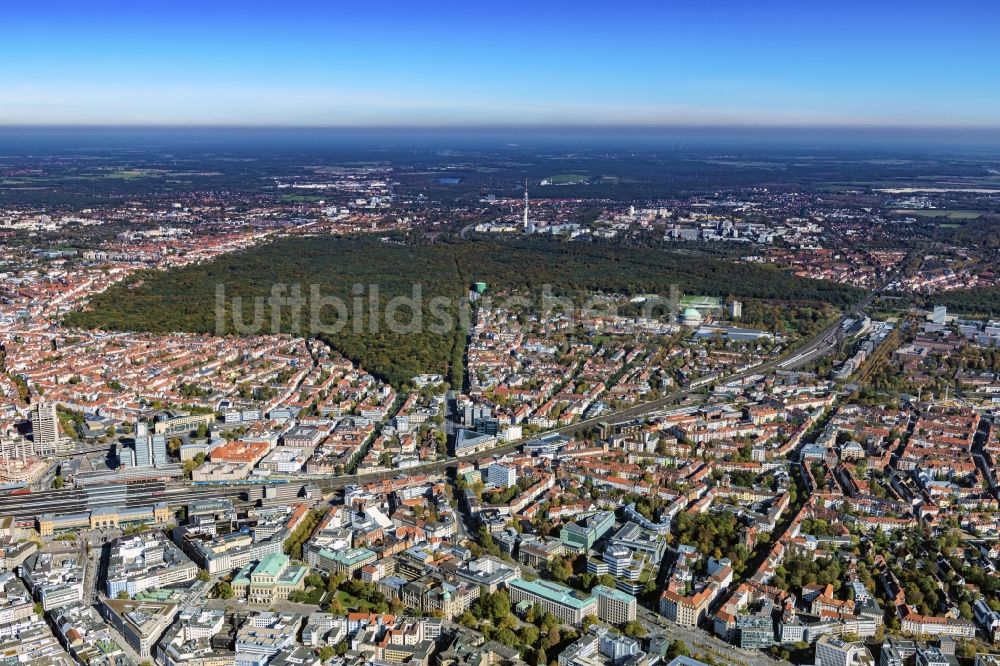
(568,179)
(939,213)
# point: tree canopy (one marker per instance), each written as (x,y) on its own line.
(367,271)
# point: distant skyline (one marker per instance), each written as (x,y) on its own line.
(440,64)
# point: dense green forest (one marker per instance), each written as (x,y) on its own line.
(983,232)
(581,267)
(185,299)
(982,301)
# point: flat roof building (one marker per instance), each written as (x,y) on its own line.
(141,623)
(488,572)
(557,599)
(147,561)
(501,476)
(614,606)
(583,533)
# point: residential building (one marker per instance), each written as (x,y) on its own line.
(931,625)
(501,476)
(188,641)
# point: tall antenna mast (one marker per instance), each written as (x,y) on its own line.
(525,204)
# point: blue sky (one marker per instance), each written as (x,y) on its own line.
(748,62)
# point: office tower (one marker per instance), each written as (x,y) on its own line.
(159,450)
(126,456)
(143,446)
(44,427)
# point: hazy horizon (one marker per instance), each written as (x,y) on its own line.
(642,64)
(27,139)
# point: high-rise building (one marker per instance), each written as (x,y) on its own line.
(473,412)
(501,476)
(735,310)
(158,446)
(143,446)
(44,427)
(126,456)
